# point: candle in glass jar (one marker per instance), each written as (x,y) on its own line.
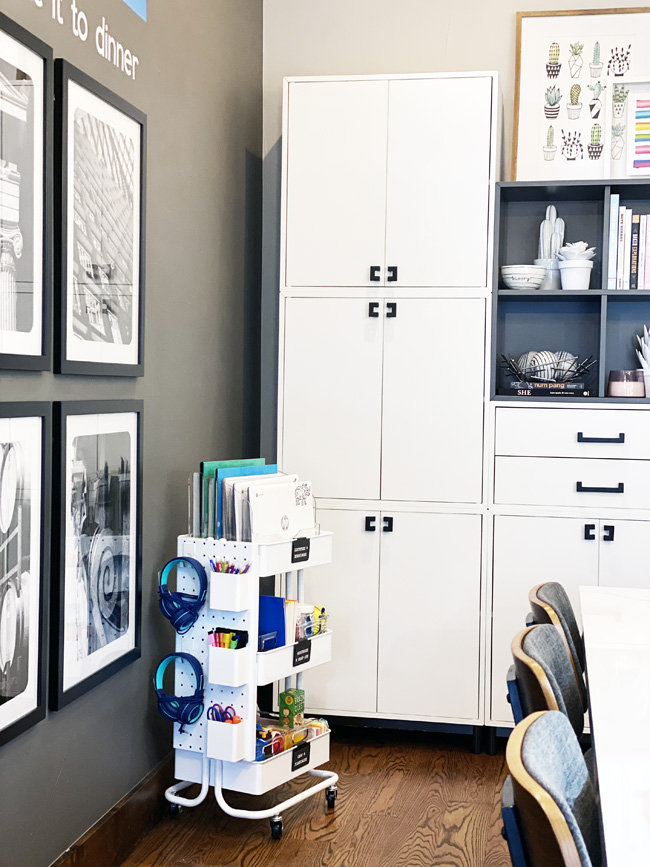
(626,383)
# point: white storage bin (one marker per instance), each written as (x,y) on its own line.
(225,741)
(255,778)
(228,667)
(232,592)
(276,557)
(279,663)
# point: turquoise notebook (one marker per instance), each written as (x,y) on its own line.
(209,471)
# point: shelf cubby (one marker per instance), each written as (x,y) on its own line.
(597,322)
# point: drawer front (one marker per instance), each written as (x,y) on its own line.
(572,482)
(573,433)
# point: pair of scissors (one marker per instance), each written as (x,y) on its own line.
(216,713)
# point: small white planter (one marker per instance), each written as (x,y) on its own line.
(575,273)
(573,111)
(595,69)
(549,153)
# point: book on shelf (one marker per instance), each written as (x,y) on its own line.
(643,229)
(620,246)
(614,204)
(646,275)
(545,389)
(627,248)
(634,251)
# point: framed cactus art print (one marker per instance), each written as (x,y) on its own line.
(581,88)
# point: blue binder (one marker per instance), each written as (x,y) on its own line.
(272,617)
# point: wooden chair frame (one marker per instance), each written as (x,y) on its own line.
(547,836)
(535,690)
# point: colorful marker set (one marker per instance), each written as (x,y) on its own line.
(229,568)
(232,640)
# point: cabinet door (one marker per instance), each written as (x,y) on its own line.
(429,616)
(348,587)
(438,181)
(624,553)
(332,396)
(528,551)
(336,182)
(434,358)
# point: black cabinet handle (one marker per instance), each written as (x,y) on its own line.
(388,525)
(392,274)
(590,532)
(583,489)
(370,524)
(391,308)
(374,273)
(373,309)
(583,439)
(609,532)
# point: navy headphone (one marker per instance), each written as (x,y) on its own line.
(183,709)
(182,609)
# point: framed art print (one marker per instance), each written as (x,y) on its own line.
(96,591)
(573,70)
(25,198)
(25,436)
(100,147)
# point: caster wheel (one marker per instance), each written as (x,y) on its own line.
(330,796)
(276,828)
(175,810)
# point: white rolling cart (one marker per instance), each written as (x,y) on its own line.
(221,755)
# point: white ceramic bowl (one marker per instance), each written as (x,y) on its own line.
(522,281)
(523,269)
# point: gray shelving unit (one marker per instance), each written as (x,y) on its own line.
(596,323)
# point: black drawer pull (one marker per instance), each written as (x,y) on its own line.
(370,524)
(391,308)
(392,274)
(373,309)
(374,273)
(590,532)
(583,489)
(388,525)
(609,532)
(583,439)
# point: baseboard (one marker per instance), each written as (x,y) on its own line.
(109,842)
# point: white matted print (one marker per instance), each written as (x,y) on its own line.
(21,478)
(103,231)
(571,112)
(22,213)
(638,147)
(100,586)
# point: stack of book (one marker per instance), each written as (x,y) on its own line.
(629,248)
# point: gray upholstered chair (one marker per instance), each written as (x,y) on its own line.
(554,795)
(549,603)
(545,675)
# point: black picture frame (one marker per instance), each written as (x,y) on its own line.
(32,714)
(100,302)
(88,523)
(19,360)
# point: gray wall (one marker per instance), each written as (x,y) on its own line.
(347,37)
(199,81)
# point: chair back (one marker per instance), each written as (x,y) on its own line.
(545,675)
(554,795)
(549,603)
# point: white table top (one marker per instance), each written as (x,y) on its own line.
(617,644)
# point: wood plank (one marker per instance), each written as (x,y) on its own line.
(406,799)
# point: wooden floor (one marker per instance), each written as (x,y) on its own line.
(405,800)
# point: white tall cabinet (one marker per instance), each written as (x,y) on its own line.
(387,202)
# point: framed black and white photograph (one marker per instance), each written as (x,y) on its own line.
(96,588)
(25,437)
(25,198)
(100,147)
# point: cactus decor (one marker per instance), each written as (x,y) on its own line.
(575,59)
(572,146)
(619,62)
(595,105)
(596,66)
(619,98)
(550,149)
(618,130)
(552,104)
(553,65)
(595,149)
(573,108)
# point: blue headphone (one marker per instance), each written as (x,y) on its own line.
(183,709)
(182,609)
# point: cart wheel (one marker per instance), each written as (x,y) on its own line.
(330,795)
(276,827)
(175,810)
